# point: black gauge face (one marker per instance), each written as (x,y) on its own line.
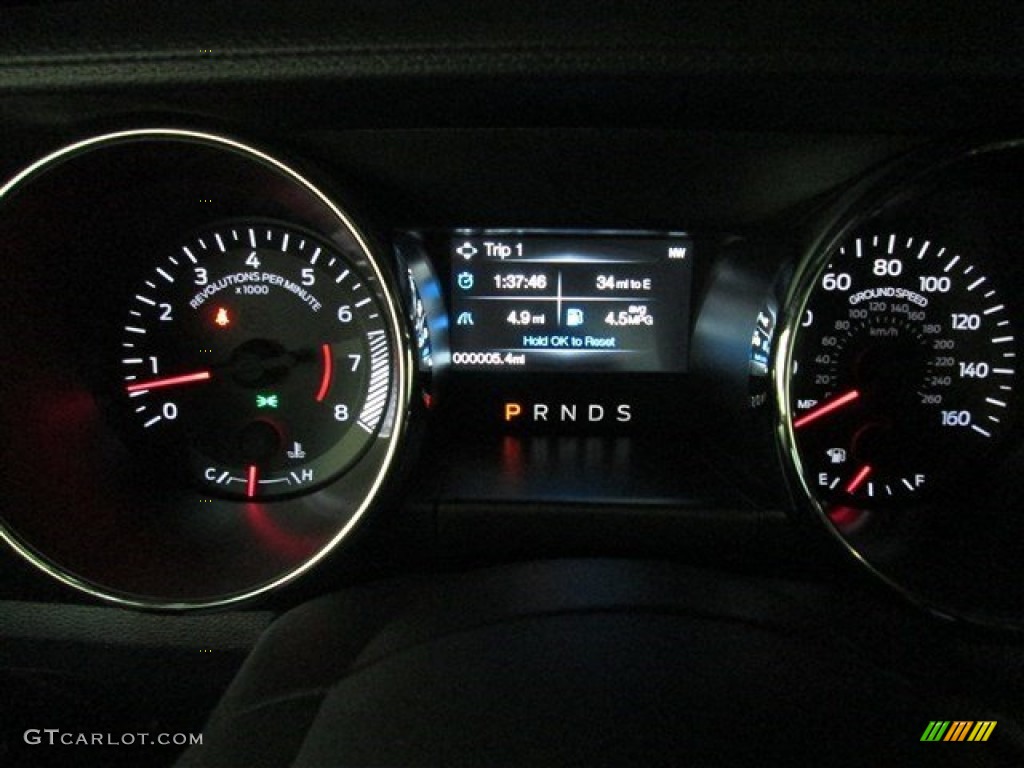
(903,370)
(262,352)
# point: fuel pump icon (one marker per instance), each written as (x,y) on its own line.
(837,455)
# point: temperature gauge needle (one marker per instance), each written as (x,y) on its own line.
(252,478)
(169,381)
(826,408)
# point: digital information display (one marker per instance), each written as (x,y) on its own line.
(556,301)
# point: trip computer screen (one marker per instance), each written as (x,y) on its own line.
(560,301)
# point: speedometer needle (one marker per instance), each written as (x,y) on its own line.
(169,381)
(826,408)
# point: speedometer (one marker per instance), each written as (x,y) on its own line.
(902,370)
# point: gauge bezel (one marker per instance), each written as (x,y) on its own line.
(373,255)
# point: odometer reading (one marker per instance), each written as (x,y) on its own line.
(263,352)
(903,369)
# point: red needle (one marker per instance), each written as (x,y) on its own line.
(823,410)
(250,487)
(858,479)
(170,381)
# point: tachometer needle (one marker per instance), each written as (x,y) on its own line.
(858,479)
(826,408)
(252,477)
(169,381)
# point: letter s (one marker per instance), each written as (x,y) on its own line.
(625,413)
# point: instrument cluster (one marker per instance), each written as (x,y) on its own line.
(223,368)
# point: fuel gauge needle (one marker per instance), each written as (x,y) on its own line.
(826,408)
(169,381)
(858,479)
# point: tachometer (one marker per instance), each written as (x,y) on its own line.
(263,352)
(903,369)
